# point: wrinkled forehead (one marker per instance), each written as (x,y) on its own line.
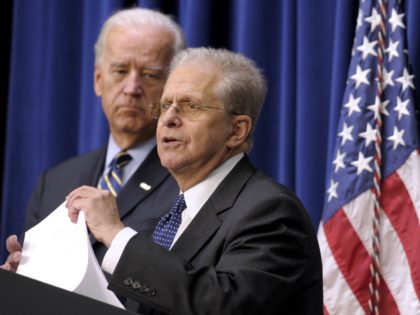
(195,81)
(153,43)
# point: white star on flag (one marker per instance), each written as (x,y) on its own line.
(332,191)
(367,48)
(369,134)
(362,163)
(339,161)
(396,20)
(406,80)
(375,107)
(387,78)
(346,133)
(352,104)
(374,20)
(397,138)
(392,49)
(360,76)
(401,107)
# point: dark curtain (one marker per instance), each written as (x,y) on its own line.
(303,46)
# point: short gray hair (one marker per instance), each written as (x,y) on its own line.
(243,87)
(137,17)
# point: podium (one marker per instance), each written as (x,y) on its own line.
(20,295)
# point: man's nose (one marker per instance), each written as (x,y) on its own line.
(133,85)
(171,117)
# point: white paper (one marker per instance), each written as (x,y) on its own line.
(58,252)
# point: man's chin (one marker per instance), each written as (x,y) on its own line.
(136,126)
(170,162)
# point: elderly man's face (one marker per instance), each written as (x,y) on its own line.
(191,147)
(130,77)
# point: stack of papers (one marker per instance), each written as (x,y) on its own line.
(58,252)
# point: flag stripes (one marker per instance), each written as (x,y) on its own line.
(347,233)
(370,230)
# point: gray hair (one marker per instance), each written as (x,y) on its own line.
(137,17)
(243,87)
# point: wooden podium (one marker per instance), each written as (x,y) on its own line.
(20,295)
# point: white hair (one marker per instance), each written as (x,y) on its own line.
(138,17)
(243,86)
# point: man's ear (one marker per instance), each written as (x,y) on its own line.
(242,125)
(97,81)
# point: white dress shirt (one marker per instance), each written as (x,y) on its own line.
(195,198)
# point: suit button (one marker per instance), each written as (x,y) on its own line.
(128,282)
(144,288)
(135,285)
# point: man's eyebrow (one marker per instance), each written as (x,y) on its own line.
(154,68)
(118,64)
(184,99)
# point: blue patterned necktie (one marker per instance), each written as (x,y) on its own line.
(168,225)
(112,180)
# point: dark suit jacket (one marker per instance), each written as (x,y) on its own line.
(139,209)
(251,249)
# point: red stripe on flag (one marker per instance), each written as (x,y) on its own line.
(354,261)
(350,255)
(400,210)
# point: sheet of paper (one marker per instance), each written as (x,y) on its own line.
(58,252)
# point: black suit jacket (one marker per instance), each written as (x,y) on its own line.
(139,209)
(251,249)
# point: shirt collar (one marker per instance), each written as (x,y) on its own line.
(138,152)
(197,196)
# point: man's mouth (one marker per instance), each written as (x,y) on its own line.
(169,140)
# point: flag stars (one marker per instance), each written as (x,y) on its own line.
(339,161)
(332,190)
(397,138)
(384,105)
(353,104)
(392,49)
(369,135)
(360,76)
(379,107)
(362,163)
(367,48)
(396,20)
(374,19)
(401,107)
(346,133)
(406,80)
(387,78)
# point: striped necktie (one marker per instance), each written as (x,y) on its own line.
(168,225)
(112,180)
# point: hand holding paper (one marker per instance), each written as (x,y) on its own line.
(100,208)
(59,253)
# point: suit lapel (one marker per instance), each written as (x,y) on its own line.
(208,220)
(92,170)
(143,182)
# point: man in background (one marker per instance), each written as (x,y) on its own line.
(234,241)
(132,54)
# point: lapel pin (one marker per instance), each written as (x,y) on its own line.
(145,186)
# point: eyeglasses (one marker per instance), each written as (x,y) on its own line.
(187,110)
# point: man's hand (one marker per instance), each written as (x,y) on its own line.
(100,209)
(15,253)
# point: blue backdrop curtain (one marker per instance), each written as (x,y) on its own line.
(303,46)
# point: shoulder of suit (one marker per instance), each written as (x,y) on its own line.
(93,156)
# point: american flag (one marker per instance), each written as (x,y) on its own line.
(370,230)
